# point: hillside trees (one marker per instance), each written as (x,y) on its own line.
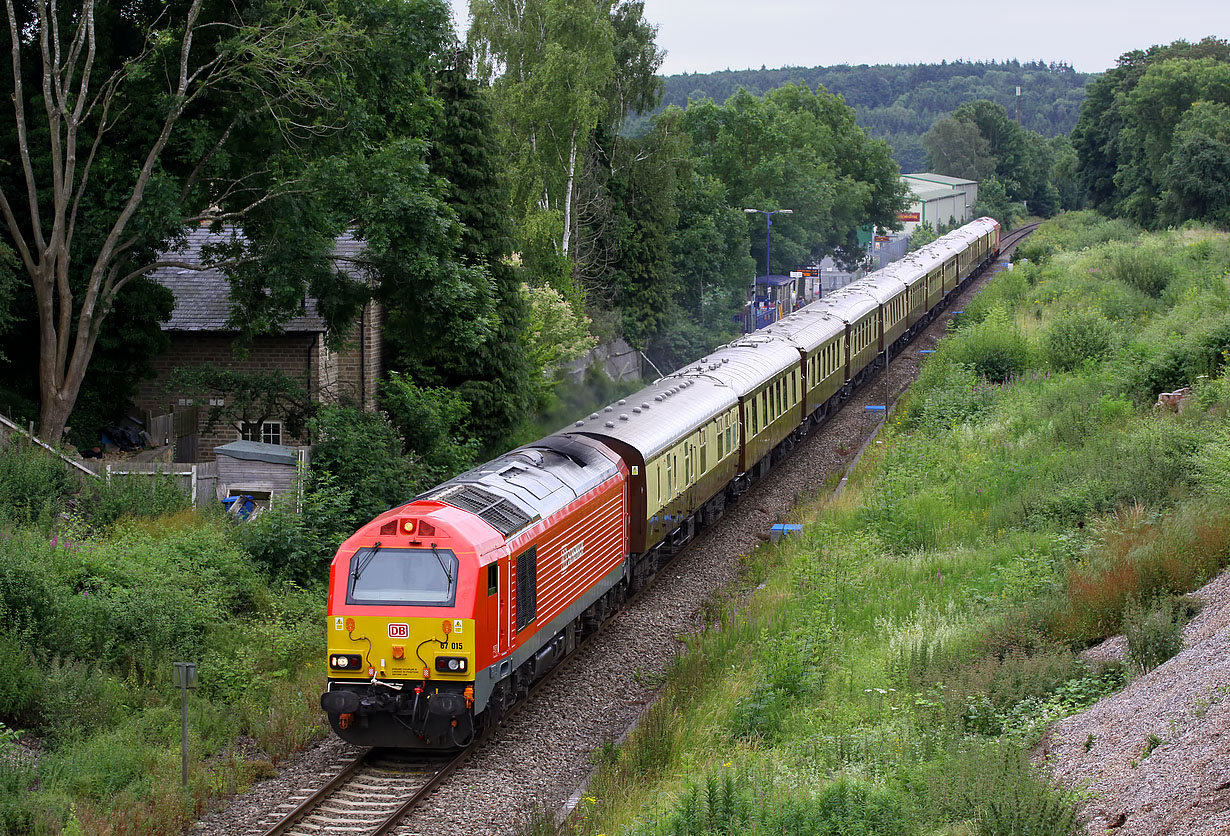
(549,62)
(1151,139)
(899,103)
(799,150)
(978,141)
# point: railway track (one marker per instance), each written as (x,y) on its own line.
(1008,242)
(368,797)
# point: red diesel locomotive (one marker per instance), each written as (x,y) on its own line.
(429,637)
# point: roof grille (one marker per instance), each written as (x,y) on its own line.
(504,516)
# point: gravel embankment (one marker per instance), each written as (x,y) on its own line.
(543,753)
(1182,786)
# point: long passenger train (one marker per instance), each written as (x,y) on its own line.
(444,611)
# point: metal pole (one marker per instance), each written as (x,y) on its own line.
(768,241)
(184,742)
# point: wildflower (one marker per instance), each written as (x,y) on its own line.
(726,764)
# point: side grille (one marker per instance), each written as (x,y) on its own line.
(504,516)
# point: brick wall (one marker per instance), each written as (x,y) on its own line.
(353,373)
(295,354)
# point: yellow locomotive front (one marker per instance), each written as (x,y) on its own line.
(402,635)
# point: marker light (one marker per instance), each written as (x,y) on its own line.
(407,527)
(451,664)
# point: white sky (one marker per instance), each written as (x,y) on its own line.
(709,35)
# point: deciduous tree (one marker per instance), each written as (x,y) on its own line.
(127,127)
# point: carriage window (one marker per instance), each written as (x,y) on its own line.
(755,418)
(493,578)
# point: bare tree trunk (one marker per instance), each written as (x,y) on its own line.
(572,176)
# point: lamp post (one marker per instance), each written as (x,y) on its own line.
(768,241)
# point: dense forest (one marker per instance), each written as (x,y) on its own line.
(900,102)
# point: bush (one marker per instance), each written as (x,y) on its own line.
(362,452)
(1073,231)
(33,485)
(1076,337)
(946,396)
(434,423)
(996,786)
(297,546)
(1145,270)
(1153,636)
(995,347)
(141,497)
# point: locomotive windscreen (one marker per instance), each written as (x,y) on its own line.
(403,577)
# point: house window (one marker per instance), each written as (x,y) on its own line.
(270,432)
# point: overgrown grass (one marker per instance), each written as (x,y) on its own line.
(101,589)
(887,670)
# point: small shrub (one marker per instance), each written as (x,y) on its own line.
(1076,337)
(363,452)
(140,497)
(297,545)
(1153,636)
(33,485)
(1147,271)
(946,395)
(996,786)
(994,347)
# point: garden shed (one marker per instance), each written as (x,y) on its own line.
(260,470)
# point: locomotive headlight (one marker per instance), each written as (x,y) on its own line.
(451,664)
(345,661)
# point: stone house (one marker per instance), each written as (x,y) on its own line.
(199,334)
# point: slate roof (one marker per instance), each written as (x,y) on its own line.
(202,297)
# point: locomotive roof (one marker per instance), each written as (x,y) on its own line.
(529,483)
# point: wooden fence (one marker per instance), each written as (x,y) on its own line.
(10,432)
(199,480)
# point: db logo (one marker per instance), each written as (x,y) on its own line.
(399,631)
